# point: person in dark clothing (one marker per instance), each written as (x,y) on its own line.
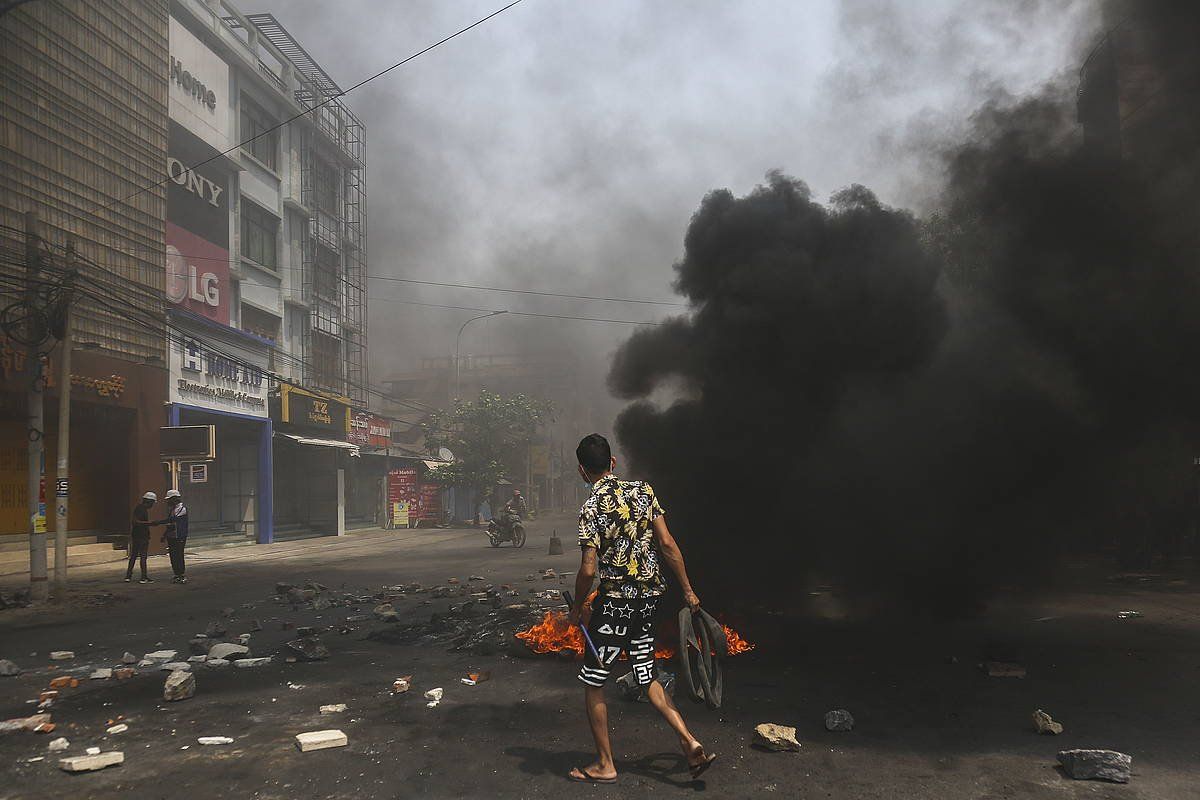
(139,536)
(176,533)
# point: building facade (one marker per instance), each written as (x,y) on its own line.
(265,274)
(83,130)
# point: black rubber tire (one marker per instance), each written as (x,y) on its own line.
(518,535)
(702,646)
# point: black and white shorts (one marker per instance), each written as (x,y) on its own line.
(618,624)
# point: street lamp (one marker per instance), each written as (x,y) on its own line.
(458,347)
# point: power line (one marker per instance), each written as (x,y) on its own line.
(323,103)
(524,291)
(526,313)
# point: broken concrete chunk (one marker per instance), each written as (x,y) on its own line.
(229,651)
(64,682)
(215,740)
(776,737)
(90,763)
(102,674)
(1096,765)
(124,673)
(129,658)
(61,655)
(121,728)
(58,745)
(244,639)
(8,668)
(176,666)
(320,740)
(1003,669)
(217,663)
(307,648)
(252,662)
(25,723)
(160,656)
(402,685)
(434,696)
(179,686)
(92,751)
(1043,723)
(197,659)
(839,720)
(336,708)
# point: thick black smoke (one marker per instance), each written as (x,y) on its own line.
(922,410)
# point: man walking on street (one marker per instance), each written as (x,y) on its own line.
(139,536)
(176,534)
(624,536)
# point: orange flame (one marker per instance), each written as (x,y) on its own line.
(555,634)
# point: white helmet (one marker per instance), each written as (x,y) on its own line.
(150,496)
(173,493)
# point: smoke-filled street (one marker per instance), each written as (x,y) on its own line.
(928,721)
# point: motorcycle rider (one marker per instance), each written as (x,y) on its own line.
(517,505)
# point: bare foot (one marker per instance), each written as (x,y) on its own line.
(593,772)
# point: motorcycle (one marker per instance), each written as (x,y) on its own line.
(506,528)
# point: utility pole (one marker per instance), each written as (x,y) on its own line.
(39,590)
(62,478)
(458,348)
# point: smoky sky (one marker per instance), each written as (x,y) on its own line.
(927,409)
(564,146)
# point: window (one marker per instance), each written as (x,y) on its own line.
(259,234)
(326,275)
(257,121)
(325,185)
(327,360)
(260,323)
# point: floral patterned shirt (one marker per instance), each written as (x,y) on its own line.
(616,520)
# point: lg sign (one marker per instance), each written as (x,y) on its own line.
(185,282)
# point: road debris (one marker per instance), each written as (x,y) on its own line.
(61,655)
(92,761)
(101,674)
(385,612)
(33,723)
(64,682)
(770,736)
(630,689)
(129,658)
(336,708)
(176,666)
(1044,723)
(839,720)
(124,673)
(434,696)
(8,668)
(556,548)
(197,659)
(1096,765)
(252,662)
(121,728)
(1003,669)
(307,648)
(1128,614)
(402,685)
(179,686)
(320,740)
(160,656)
(217,663)
(215,740)
(58,745)
(229,651)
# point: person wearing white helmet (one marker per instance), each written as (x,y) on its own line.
(139,536)
(176,533)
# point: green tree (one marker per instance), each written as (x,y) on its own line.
(484,434)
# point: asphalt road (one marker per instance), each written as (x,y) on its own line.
(929,723)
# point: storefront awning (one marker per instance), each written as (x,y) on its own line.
(353,448)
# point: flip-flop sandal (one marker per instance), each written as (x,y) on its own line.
(698,769)
(589,778)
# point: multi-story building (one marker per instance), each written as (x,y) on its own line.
(83,130)
(266,243)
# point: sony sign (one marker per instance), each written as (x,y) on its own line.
(194,182)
